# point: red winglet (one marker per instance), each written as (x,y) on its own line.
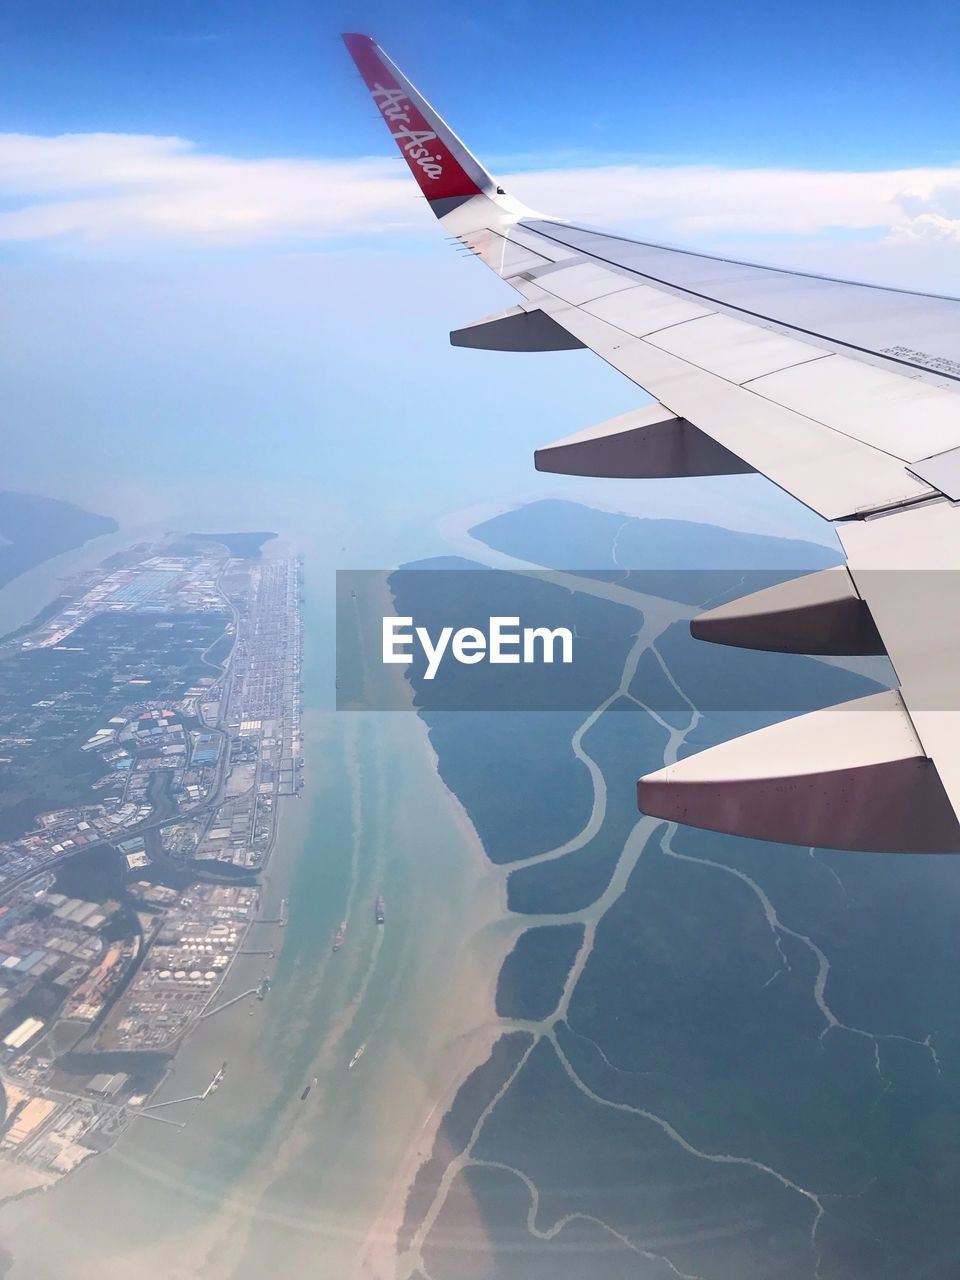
(439,161)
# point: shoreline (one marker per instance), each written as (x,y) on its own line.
(136,1148)
(26,595)
(377,1258)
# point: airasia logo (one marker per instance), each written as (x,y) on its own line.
(395,106)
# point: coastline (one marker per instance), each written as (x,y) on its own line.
(144,1150)
(377,1258)
(266,904)
(230,1196)
(24,596)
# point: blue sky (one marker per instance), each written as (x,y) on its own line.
(220,286)
(824,84)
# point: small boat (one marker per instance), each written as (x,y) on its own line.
(214,1084)
(339,936)
(356,1057)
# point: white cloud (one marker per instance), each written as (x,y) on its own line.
(109,188)
(927,228)
(705,199)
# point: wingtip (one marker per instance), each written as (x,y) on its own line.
(356,40)
(443,167)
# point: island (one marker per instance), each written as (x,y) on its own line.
(34,529)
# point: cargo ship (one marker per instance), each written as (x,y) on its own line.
(356,1057)
(306,1092)
(339,936)
(380,910)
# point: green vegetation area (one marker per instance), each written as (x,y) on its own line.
(515,775)
(513,769)
(460,593)
(624,742)
(95,874)
(566,535)
(705,1021)
(474,1096)
(532,977)
(32,529)
(242,546)
(83,685)
(725,1221)
(485,1217)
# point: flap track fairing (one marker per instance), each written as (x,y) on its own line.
(646,444)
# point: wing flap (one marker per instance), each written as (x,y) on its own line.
(898,414)
(942,471)
(849,777)
(642,310)
(502,254)
(582,282)
(733,350)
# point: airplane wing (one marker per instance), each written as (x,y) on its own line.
(847,396)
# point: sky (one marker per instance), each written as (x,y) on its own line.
(821,84)
(211,258)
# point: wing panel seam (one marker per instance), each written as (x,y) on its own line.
(796,413)
(759,315)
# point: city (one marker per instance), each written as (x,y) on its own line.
(158,707)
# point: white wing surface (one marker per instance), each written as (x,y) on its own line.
(845,395)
